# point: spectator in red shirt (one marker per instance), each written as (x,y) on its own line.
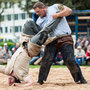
(88,52)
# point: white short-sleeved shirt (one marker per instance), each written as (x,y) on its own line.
(80,53)
(62,28)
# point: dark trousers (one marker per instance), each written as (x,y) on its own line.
(67,52)
(46,62)
(68,57)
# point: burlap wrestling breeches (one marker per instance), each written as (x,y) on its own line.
(33,49)
(24,38)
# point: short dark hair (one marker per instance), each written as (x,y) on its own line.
(16,80)
(39,5)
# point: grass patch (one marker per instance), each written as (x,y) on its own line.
(59,66)
(53,66)
(34,66)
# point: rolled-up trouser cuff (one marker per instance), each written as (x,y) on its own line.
(33,49)
(24,38)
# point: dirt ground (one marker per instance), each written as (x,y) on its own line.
(58,79)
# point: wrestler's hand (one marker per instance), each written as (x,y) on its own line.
(16,84)
(22,85)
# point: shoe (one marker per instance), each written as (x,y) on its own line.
(83,81)
(40,82)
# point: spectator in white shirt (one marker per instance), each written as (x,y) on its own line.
(80,55)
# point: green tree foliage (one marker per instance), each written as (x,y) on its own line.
(27,6)
(74,4)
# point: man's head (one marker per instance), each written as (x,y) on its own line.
(40,9)
(79,48)
(79,39)
(85,39)
(12,80)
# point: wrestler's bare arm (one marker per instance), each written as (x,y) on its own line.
(64,11)
(29,82)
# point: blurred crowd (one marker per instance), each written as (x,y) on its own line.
(81,52)
(6,52)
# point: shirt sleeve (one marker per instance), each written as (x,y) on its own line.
(58,7)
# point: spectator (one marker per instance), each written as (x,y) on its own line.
(7,54)
(78,42)
(15,48)
(12,46)
(80,55)
(1,53)
(4,55)
(58,59)
(2,61)
(5,46)
(84,43)
(88,53)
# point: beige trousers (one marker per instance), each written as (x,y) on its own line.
(19,62)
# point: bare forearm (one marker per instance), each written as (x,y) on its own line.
(65,12)
(24,85)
